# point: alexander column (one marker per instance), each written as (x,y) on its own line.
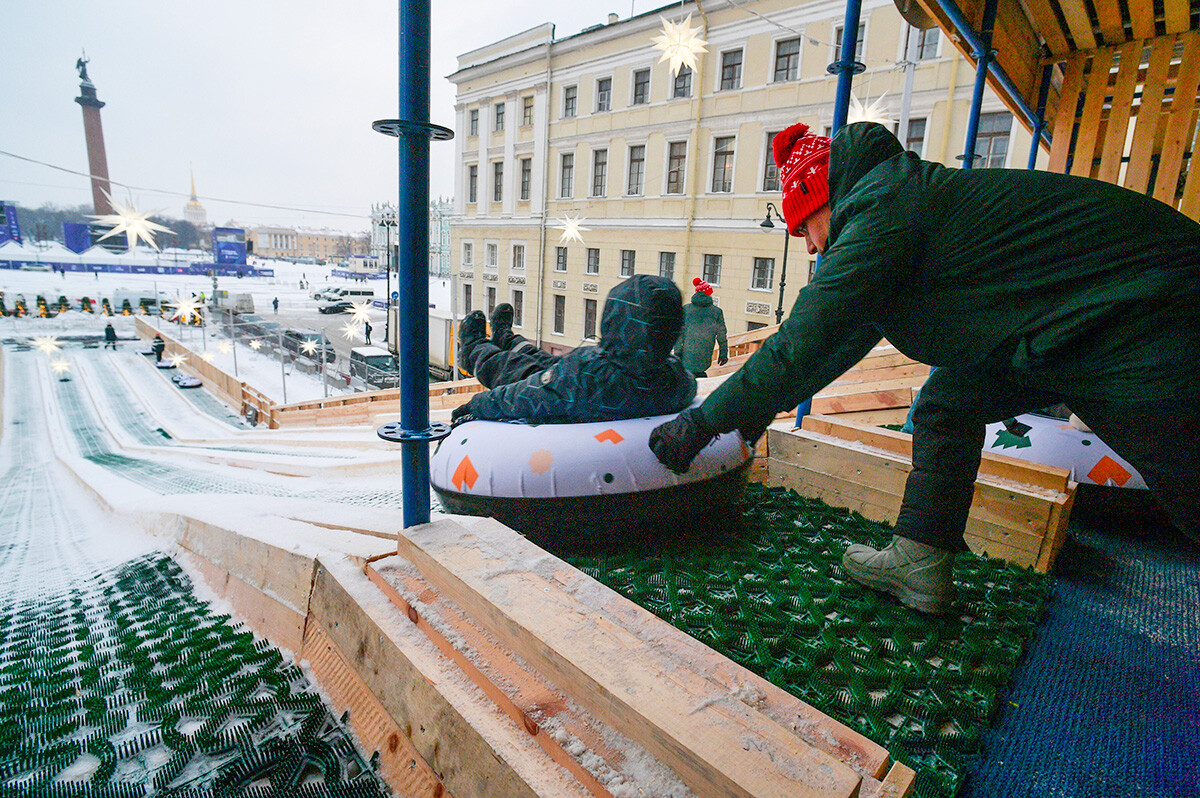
(97,160)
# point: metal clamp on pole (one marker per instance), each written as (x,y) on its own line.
(396,433)
(404,127)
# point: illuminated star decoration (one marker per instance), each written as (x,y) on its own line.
(47,344)
(133,224)
(255,344)
(185,307)
(60,366)
(874,112)
(572,227)
(309,346)
(680,44)
(177,359)
(225,347)
(350,330)
(361,313)
(207,357)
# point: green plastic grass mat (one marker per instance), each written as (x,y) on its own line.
(773,597)
(131,686)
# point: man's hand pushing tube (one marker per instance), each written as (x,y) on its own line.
(677,442)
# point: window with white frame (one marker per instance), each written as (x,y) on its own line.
(518,303)
(927,43)
(467,291)
(491,299)
(599,172)
(473,183)
(560,314)
(763,276)
(722,177)
(560,259)
(858,42)
(676,164)
(683,82)
(914,139)
(518,257)
(770,170)
(589,318)
(593,261)
(491,255)
(603,94)
(499,117)
(991,143)
(712,269)
(636,184)
(566,176)
(527,110)
(526,177)
(498,181)
(473,122)
(731,70)
(570,100)
(666,265)
(628,257)
(641,86)
(787,60)
(468,253)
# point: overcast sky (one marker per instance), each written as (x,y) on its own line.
(269,101)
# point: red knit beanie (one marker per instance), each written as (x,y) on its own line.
(701,286)
(803,162)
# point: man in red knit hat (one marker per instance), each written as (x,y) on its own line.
(1025,289)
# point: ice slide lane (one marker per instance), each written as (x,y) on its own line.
(116,678)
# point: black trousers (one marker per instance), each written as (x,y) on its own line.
(1159,437)
(518,359)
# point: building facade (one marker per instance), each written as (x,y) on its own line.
(384,234)
(319,246)
(671,173)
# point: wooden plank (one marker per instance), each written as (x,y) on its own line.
(871,400)
(1122,108)
(676,713)
(1064,121)
(1108,15)
(1089,121)
(919,370)
(1056,531)
(1189,204)
(883,385)
(1046,23)
(1180,121)
(1177,14)
(1141,18)
(875,418)
(1079,24)
(899,783)
(1137,173)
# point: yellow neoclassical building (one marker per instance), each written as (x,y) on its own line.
(671,173)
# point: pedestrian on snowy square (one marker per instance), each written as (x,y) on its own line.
(158,347)
(703,329)
(110,337)
(630,373)
(367,331)
(275,304)
(1023,288)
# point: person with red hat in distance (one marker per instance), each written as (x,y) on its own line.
(703,329)
(1025,289)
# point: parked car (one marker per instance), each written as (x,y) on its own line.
(248,323)
(297,339)
(336,306)
(374,367)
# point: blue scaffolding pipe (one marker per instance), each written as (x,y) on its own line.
(413,264)
(1040,124)
(984,56)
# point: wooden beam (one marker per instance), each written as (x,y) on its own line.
(1108,14)
(716,743)
(1079,24)
(1089,121)
(1045,22)
(1177,14)
(1141,18)
(1180,121)
(1064,121)
(1122,109)
(1137,173)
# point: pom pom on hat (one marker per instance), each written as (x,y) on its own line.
(701,286)
(803,161)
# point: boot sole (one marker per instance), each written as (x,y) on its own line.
(928,603)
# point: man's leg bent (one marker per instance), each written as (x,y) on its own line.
(494,366)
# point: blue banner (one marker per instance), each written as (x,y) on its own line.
(229,245)
(77,236)
(10,227)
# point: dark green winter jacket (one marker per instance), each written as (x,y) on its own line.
(1058,283)
(703,328)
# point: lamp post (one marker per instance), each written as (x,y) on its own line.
(388,222)
(767,225)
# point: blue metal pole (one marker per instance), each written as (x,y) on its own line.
(984,55)
(1040,124)
(413,264)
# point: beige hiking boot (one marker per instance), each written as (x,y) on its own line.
(917,574)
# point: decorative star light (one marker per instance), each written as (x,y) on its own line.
(361,313)
(177,359)
(255,344)
(133,224)
(874,112)
(207,357)
(680,44)
(47,344)
(60,366)
(309,346)
(572,227)
(185,307)
(350,330)
(225,347)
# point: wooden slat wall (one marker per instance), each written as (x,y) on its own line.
(1098,106)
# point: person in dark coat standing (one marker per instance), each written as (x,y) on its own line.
(275,304)
(367,331)
(630,373)
(703,329)
(158,346)
(110,337)
(1023,288)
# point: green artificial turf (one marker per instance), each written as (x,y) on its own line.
(772,596)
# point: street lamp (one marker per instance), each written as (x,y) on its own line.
(767,225)
(388,221)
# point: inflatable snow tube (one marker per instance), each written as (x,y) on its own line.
(1054,441)
(186,381)
(164,364)
(591,486)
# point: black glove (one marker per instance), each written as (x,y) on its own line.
(677,442)
(461,415)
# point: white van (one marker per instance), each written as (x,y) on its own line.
(352,294)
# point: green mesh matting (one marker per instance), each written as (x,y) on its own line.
(129,685)
(773,597)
